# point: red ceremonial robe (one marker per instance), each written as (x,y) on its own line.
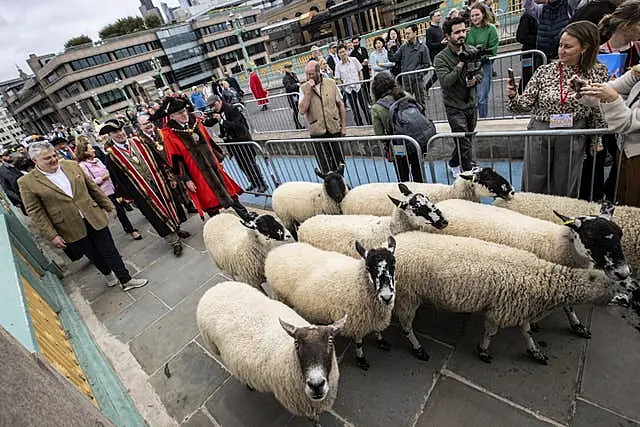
(214,188)
(258,91)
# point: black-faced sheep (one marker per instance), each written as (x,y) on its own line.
(324,286)
(270,348)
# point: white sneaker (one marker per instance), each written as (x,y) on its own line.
(133,284)
(455,171)
(112,280)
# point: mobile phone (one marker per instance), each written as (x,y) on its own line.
(512,76)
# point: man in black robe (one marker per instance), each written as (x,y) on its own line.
(134,170)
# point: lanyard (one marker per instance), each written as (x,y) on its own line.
(563,95)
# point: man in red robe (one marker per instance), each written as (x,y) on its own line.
(194,157)
(258,91)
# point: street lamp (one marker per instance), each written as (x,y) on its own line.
(97,99)
(84,117)
(118,83)
(235,24)
(157,66)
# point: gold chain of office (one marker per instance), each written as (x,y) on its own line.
(191,131)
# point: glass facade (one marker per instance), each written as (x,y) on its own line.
(185,56)
(91,61)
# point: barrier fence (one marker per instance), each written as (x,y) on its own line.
(545,161)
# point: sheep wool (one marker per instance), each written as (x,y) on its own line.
(241,325)
(294,202)
(511,286)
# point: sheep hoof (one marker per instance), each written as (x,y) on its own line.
(484,355)
(534,327)
(421,354)
(363,363)
(383,344)
(250,388)
(581,331)
(538,356)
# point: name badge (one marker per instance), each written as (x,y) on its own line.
(561,121)
(398,150)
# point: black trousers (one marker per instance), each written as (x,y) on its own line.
(601,188)
(293,103)
(328,153)
(246,157)
(122,215)
(357,102)
(99,247)
(408,166)
(462,121)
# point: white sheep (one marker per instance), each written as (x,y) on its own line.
(371,199)
(253,334)
(339,232)
(511,286)
(582,242)
(324,286)
(240,246)
(294,202)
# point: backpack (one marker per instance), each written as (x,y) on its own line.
(406,117)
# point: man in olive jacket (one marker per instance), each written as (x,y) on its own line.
(68,208)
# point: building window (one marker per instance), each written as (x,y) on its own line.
(215,28)
(225,42)
(260,61)
(111,97)
(135,69)
(249,20)
(252,34)
(229,57)
(91,61)
(99,80)
(130,51)
(255,49)
(184,55)
(56,75)
(155,44)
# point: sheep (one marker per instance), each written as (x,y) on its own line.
(253,334)
(627,217)
(295,202)
(511,286)
(339,232)
(582,242)
(324,286)
(240,246)
(371,199)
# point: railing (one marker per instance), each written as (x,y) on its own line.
(280,114)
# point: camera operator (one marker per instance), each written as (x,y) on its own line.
(458,68)
(234,128)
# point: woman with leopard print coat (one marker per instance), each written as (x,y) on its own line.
(553,165)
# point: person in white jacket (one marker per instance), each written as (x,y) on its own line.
(623,116)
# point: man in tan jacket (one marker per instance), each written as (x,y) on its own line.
(321,103)
(68,208)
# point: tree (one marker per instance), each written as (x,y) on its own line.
(122,26)
(153,21)
(77,41)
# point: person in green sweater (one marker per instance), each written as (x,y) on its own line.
(484,34)
(459,92)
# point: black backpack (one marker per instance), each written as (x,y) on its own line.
(406,117)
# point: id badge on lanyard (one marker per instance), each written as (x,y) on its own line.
(564,120)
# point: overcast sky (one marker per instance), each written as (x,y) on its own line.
(43,26)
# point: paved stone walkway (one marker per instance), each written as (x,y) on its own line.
(587,383)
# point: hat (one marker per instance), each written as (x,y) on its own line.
(111,125)
(58,140)
(170,105)
(212,99)
(314,47)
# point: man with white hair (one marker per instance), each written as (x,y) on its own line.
(68,209)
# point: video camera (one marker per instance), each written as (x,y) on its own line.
(474,57)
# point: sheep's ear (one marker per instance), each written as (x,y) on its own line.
(607,209)
(398,203)
(361,250)
(288,328)
(469,175)
(319,174)
(337,326)
(391,244)
(249,224)
(404,189)
(341,169)
(573,223)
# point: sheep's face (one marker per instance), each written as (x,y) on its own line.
(268,227)
(381,268)
(315,350)
(488,183)
(334,183)
(597,239)
(419,209)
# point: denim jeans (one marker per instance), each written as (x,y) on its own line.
(462,121)
(483,90)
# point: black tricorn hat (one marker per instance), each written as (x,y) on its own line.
(110,125)
(170,105)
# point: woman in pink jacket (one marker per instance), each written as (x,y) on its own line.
(97,171)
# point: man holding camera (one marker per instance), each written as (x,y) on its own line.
(459,75)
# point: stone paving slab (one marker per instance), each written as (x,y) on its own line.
(132,320)
(111,303)
(590,415)
(199,419)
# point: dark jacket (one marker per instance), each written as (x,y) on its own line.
(362,55)
(527,32)
(331,62)
(235,85)
(435,35)
(594,12)
(455,92)
(233,125)
(291,83)
(411,57)
(553,18)
(9,176)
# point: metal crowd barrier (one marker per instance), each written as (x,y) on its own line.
(357,100)
(280,114)
(250,166)
(509,153)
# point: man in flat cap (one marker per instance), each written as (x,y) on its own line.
(134,170)
(196,158)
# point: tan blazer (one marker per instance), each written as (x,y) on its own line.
(55,213)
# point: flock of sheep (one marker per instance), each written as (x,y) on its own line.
(340,261)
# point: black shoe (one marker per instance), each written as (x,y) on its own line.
(177,249)
(183,234)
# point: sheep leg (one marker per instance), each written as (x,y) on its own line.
(405,316)
(361,360)
(315,420)
(382,343)
(490,329)
(532,347)
(577,326)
